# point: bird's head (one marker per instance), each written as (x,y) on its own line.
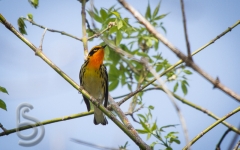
(96,56)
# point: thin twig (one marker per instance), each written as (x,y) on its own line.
(4,130)
(145,90)
(234,139)
(189,103)
(134,119)
(52,30)
(84,31)
(92,145)
(89,27)
(211,127)
(185,31)
(190,63)
(40,47)
(110,25)
(237,145)
(136,110)
(218,147)
(47,122)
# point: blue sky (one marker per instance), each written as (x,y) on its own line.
(28,79)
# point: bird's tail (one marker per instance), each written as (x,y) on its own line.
(99,117)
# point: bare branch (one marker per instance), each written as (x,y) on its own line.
(218,147)
(40,47)
(92,145)
(126,122)
(185,31)
(10,131)
(234,139)
(136,110)
(189,103)
(4,130)
(110,24)
(52,30)
(190,63)
(237,145)
(84,31)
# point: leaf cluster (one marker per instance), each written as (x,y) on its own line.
(2,103)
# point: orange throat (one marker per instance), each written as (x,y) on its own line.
(96,60)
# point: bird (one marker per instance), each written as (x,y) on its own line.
(94,79)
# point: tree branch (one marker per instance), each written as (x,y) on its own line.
(190,63)
(40,47)
(126,122)
(52,30)
(210,127)
(222,138)
(185,31)
(237,145)
(47,122)
(84,31)
(234,139)
(185,101)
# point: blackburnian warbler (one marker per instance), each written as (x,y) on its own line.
(94,79)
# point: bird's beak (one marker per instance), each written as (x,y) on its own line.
(104,46)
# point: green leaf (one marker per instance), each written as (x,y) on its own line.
(141,131)
(116,14)
(175,140)
(154,127)
(187,72)
(148,12)
(3,105)
(156,10)
(113,85)
(144,126)
(113,29)
(2,89)
(95,16)
(30,16)
(103,14)
(106,52)
(175,87)
(143,117)
(119,24)
(159,67)
(21,26)
(118,38)
(160,17)
(156,45)
(153,144)
(123,80)
(149,43)
(34,3)
(151,107)
(168,148)
(184,88)
(148,136)
(185,82)
(95,10)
